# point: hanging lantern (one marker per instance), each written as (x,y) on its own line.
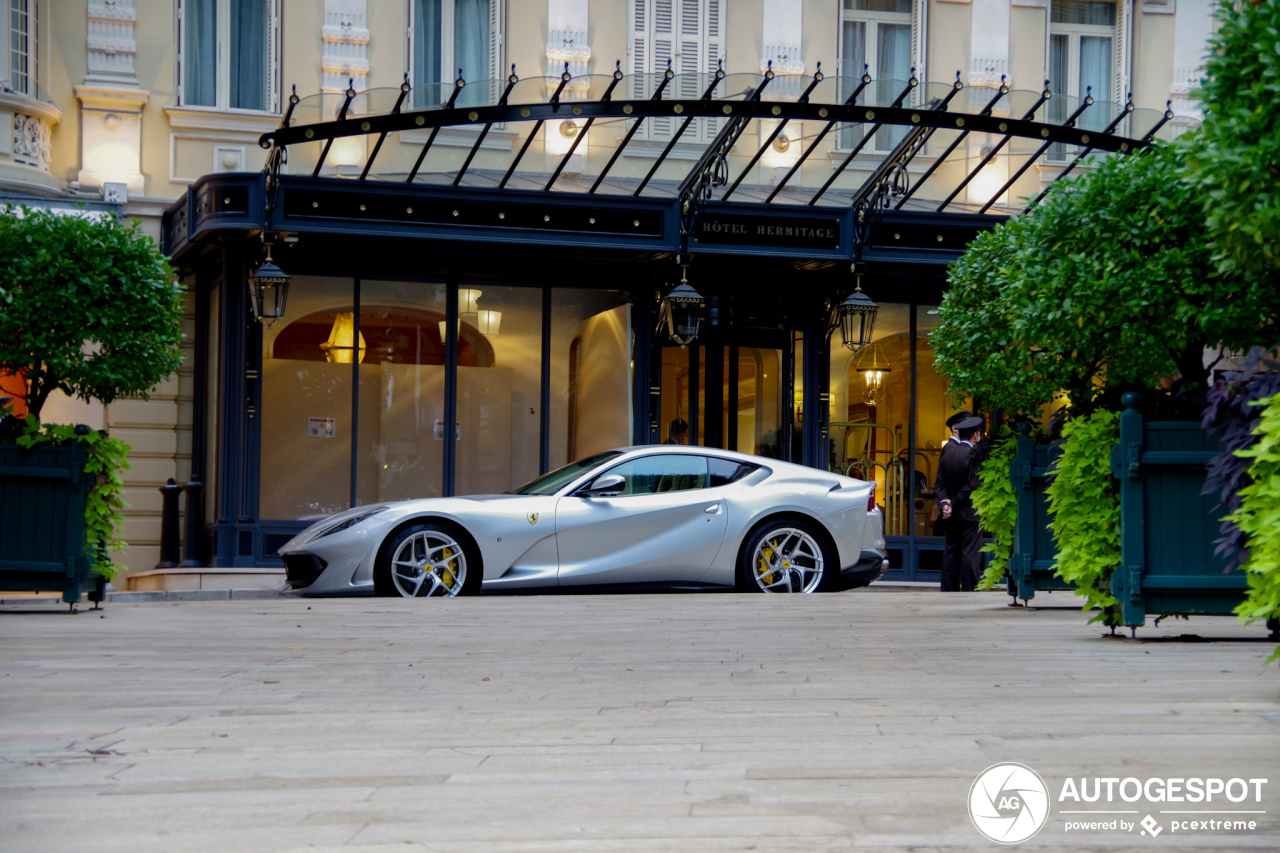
(682,311)
(874,368)
(857,316)
(268,287)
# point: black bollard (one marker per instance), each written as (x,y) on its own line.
(191,532)
(169,525)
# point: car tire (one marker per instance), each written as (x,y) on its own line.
(429,559)
(787,555)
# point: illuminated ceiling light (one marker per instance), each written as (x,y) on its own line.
(339,348)
(874,368)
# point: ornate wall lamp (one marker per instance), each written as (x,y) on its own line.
(268,288)
(857,316)
(681,310)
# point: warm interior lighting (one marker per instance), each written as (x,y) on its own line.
(559,138)
(874,368)
(488,322)
(988,181)
(338,349)
(470,312)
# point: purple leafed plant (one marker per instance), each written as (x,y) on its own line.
(1230,415)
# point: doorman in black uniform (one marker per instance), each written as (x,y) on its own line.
(962,557)
(939,523)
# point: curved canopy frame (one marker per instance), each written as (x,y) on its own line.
(1028,119)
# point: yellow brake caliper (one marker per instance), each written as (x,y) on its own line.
(762,566)
(450,577)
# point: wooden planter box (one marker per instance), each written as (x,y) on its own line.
(1167,559)
(1031,563)
(42,533)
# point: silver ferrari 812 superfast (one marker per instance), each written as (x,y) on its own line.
(659,516)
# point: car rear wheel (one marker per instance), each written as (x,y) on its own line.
(426,560)
(788,555)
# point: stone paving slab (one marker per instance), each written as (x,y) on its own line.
(856,721)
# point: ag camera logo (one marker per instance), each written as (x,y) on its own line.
(1008,803)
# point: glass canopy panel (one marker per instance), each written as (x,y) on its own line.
(481,93)
(638,86)
(533,90)
(596,145)
(428,96)
(785,88)
(740,87)
(883,92)
(1142,121)
(930,96)
(690,87)
(1018,103)
(375,102)
(832,90)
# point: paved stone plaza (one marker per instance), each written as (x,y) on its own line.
(637,723)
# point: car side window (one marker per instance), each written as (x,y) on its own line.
(726,471)
(651,475)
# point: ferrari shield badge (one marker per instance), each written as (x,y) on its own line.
(533,518)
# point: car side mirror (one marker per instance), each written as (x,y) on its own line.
(604,486)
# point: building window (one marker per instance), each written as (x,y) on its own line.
(1082,47)
(451,36)
(22,46)
(688,34)
(875,34)
(1082,59)
(229,54)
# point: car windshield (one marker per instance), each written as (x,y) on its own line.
(552,481)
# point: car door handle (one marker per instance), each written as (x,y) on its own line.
(714,509)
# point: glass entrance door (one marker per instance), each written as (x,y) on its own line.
(732,389)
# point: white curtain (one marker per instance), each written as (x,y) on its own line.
(249,49)
(853,55)
(426,53)
(471,38)
(199,57)
(893,48)
(1095,68)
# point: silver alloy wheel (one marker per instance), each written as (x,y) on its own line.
(430,562)
(787,559)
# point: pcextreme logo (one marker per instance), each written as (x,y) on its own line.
(1009,803)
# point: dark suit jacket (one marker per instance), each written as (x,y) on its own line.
(955,481)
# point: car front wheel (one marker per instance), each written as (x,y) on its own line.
(788,555)
(426,560)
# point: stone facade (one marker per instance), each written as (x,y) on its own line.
(113,111)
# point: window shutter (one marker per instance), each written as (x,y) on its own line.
(713,51)
(920,46)
(1123,50)
(640,13)
(182,89)
(274,83)
(663,42)
(497,18)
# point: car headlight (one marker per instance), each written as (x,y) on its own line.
(348,522)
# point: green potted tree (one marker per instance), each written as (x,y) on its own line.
(1109,286)
(88,307)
